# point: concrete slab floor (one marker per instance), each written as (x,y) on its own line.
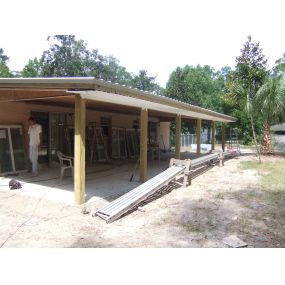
(104,181)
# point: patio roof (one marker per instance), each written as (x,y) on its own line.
(18,89)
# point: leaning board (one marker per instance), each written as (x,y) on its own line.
(120,206)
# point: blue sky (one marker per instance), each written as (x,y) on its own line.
(154,35)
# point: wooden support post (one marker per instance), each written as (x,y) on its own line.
(186,181)
(143,144)
(213,134)
(198,135)
(223,136)
(177,136)
(79,150)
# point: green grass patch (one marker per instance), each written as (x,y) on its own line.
(191,227)
(272,177)
(219,195)
(244,224)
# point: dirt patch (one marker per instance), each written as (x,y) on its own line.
(221,202)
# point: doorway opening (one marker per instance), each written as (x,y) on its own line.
(54,136)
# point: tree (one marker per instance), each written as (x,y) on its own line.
(250,73)
(145,82)
(279,68)
(111,70)
(4,58)
(4,69)
(67,57)
(33,68)
(200,85)
(270,99)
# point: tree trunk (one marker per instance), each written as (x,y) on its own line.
(254,136)
(266,143)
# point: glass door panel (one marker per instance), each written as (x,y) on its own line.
(58,135)
(122,140)
(5,152)
(115,144)
(18,148)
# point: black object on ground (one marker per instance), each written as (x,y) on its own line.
(14,184)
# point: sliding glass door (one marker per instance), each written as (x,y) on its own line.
(12,153)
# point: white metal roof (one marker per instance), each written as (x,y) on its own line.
(113,98)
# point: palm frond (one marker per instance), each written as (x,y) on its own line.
(270,98)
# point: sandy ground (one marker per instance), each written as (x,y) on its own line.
(219,203)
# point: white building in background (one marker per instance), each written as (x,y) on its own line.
(278,133)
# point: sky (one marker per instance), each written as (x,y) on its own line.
(154,35)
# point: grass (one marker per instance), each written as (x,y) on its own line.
(219,195)
(272,178)
(244,224)
(191,227)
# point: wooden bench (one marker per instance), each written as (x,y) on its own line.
(200,162)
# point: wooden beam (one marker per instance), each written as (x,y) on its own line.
(177,136)
(223,137)
(79,150)
(213,125)
(143,144)
(25,95)
(198,136)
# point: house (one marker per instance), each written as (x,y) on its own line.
(278,135)
(91,119)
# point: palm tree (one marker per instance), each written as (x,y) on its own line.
(238,90)
(270,100)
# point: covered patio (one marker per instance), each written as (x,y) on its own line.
(104,181)
(87,96)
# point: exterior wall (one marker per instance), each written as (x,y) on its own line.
(18,113)
(280,127)
(118,120)
(164,135)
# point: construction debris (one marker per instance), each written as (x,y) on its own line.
(14,184)
(234,241)
(130,200)
(85,211)
(141,209)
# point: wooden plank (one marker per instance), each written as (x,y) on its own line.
(223,137)
(177,136)
(128,201)
(198,135)
(213,128)
(79,150)
(143,144)
(214,157)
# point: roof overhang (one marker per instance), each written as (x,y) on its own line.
(110,93)
(185,111)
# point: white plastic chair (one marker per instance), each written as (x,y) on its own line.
(66,162)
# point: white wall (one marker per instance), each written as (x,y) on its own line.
(164,135)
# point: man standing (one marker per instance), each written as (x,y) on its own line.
(35,134)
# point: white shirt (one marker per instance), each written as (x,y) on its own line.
(34,133)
